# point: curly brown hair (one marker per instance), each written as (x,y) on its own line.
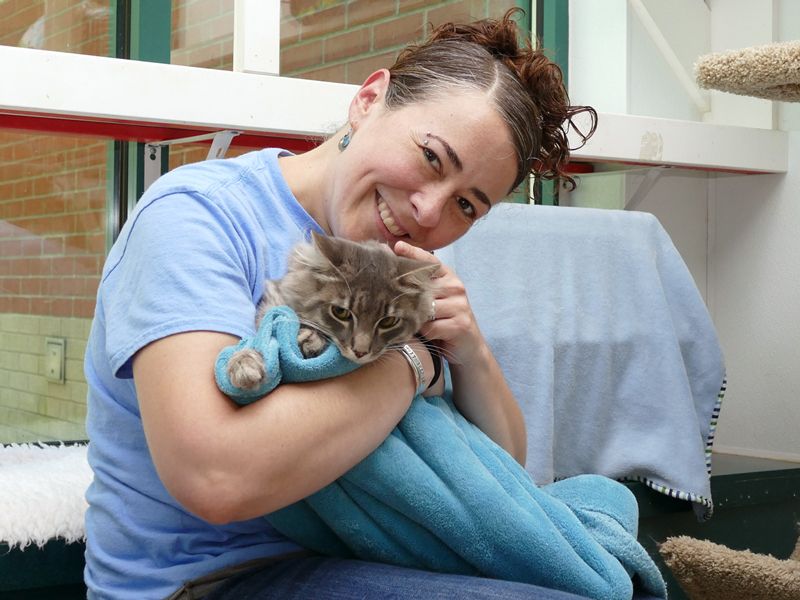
(526,87)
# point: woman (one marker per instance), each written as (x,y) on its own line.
(182,476)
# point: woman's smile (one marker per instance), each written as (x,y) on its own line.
(388,220)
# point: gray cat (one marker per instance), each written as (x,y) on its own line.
(359,295)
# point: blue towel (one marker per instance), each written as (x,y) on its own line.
(604,340)
(276,341)
(438,494)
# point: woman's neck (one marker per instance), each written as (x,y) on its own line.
(306,175)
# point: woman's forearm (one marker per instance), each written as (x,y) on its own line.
(296,440)
(482,395)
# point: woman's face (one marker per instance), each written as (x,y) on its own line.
(423,173)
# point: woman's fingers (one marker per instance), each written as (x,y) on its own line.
(454,326)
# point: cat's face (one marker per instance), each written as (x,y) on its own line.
(362,296)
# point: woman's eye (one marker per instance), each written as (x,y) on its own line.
(388,322)
(341,313)
(466,207)
(431,157)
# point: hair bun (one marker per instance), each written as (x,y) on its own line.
(526,86)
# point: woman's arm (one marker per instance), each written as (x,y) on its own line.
(226,462)
(479,388)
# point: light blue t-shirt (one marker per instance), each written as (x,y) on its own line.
(194,255)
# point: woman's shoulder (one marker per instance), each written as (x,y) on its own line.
(208,176)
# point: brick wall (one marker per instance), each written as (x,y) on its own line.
(52,246)
(345,41)
(52,236)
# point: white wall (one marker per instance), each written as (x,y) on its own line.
(615,66)
(755,275)
(739,235)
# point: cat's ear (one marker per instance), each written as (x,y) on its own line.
(307,256)
(329,247)
(416,271)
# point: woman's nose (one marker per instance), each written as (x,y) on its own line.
(428,205)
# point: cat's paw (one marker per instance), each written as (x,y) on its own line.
(246,369)
(311,342)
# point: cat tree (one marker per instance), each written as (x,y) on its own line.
(771,71)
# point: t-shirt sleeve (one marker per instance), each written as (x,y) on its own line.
(183,265)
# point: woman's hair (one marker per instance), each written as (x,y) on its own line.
(526,87)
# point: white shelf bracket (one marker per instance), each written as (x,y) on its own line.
(644,187)
(221,141)
(698,96)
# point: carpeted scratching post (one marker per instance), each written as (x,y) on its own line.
(708,571)
(771,71)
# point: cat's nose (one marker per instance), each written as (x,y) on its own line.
(358,353)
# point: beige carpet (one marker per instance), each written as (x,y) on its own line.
(708,571)
(771,71)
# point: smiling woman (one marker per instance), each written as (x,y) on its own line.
(417,163)
(422,173)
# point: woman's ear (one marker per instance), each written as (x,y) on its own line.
(369,96)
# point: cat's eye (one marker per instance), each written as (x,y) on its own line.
(388,322)
(341,313)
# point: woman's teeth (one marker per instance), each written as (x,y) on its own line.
(388,219)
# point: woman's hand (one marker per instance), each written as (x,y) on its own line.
(454,327)
(479,389)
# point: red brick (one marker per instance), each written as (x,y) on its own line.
(457,12)
(221,26)
(83,308)
(300,8)
(89,221)
(347,45)
(9,247)
(63,265)
(10,286)
(301,56)
(32,286)
(290,28)
(17,304)
(398,31)
(322,22)
(335,74)
(85,244)
(404,6)
(368,11)
(359,70)
(31,246)
(497,8)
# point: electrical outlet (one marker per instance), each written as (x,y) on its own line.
(54,359)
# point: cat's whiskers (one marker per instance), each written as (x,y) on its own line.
(426,267)
(401,294)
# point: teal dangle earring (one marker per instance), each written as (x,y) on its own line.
(345,141)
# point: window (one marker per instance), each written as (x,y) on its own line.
(78,27)
(69,174)
(52,247)
(346,40)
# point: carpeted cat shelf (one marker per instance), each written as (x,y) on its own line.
(771,71)
(709,571)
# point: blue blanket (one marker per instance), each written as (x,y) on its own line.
(438,494)
(605,341)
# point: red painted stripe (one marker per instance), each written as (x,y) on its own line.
(142,132)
